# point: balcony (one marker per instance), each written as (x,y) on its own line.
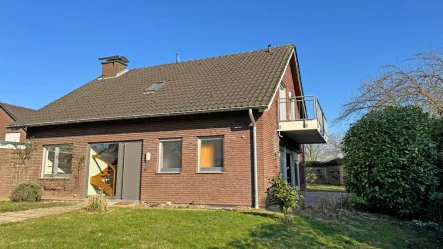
(302,119)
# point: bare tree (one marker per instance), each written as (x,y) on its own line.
(314,152)
(416,81)
(333,149)
(325,152)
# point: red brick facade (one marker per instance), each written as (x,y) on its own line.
(6,180)
(232,187)
(5,120)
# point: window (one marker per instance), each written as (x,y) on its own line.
(292,107)
(282,99)
(154,87)
(57,161)
(12,137)
(211,154)
(170,155)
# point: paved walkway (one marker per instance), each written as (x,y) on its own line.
(9,217)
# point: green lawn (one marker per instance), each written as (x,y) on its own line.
(9,206)
(325,187)
(159,228)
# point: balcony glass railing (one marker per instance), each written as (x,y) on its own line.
(303,108)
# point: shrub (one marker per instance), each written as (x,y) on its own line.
(285,197)
(97,203)
(390,160)
(27,191)
(311,176)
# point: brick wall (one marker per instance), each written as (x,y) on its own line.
(5,120)
(233,187)
(268,140)
(111,69)
(6,181)
(9,168)
(268,147)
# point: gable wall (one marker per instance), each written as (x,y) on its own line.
(268,140)
(5,120)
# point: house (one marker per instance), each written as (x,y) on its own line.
(8,115)
(207,131)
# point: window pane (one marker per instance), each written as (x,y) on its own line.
(211,153)
(58,161)
(64,160)
(171,157)
(49,161)
(107,151)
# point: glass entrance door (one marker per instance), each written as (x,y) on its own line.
(114,169)
(104,163)
(288,166)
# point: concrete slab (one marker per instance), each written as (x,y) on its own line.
(9,217)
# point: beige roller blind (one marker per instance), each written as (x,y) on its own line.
(207,154)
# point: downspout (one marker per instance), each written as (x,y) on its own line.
(254,144)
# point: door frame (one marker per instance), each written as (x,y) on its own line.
(88,151)
(293,166)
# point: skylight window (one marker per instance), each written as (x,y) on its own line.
(154,87)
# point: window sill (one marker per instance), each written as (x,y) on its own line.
(53,178)
(210,172)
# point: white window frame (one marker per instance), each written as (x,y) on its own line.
(282,102)
(14,134)
(160,156)
(291,107)
(55,169)
(214,169)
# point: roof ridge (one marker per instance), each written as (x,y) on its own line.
(209,58)
(252,83)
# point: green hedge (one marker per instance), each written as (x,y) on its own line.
(390,160)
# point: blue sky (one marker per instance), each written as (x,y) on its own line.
(49,48)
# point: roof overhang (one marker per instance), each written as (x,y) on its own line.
(295,56)
(209,111)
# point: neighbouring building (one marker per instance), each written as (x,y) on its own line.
(207,131)
(8,115)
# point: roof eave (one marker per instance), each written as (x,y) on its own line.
(277,84)
(136,116)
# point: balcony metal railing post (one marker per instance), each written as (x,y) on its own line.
(308,108)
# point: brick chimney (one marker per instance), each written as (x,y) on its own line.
(112,65)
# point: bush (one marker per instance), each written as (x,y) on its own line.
(97,203)
(311,176)
(27,191)
(285,197)
(390,160)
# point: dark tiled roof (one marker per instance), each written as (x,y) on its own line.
(229,82)
(17,112)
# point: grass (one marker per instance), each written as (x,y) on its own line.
(9,206)
(325,187)
(160,228)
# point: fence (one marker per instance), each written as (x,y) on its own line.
(329,174)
